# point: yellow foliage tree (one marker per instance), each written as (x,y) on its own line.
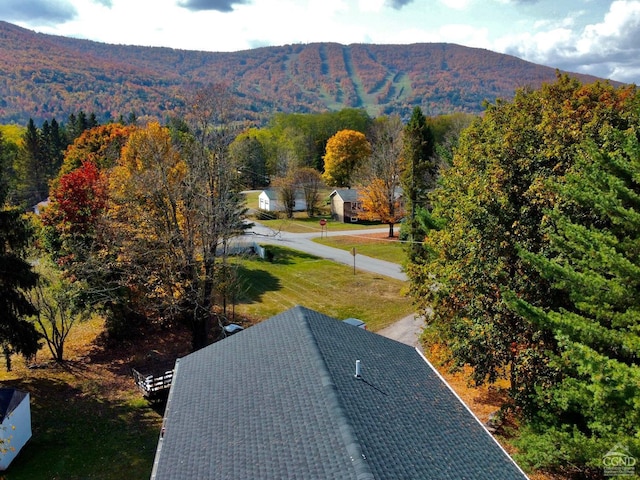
(345,152)
(148,219)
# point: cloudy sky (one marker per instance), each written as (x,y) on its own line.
(600,37)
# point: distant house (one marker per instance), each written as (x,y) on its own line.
(345,205)
(269,201)
(303,395)
(15,426)
(40,207)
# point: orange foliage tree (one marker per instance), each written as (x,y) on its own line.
(378,203)
(100,145)
(380,194)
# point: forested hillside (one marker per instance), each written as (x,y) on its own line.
(45,76)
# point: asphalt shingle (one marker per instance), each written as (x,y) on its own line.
(280,400)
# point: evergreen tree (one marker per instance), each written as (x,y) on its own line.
(56,146)
(31,169)
(39,160)
(77,124)
(17,335)
(419,173)
(594,259)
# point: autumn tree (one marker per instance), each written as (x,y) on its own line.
(345,152)
(77,200)
(304,136)
(488,207)
(286,189)
(148,221)
(100,145)
(215,192)
(17,335)
(8,155)
(175,204)
(593,259)
(379,191)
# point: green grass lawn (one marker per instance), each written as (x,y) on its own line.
(88,421)
(296,278)
(303,224)
(375,246)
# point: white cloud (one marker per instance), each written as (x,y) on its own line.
(457,4)
(374,6)
(603,48)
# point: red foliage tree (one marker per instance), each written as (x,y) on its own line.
(76,201)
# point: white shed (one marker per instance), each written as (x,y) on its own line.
(269,201)
(15,429)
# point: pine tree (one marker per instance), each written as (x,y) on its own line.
(17,335)
(420,170)
(491,204)
(30,168)
(594,259)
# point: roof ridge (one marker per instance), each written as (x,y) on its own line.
(347,432)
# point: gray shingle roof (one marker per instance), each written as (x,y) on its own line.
(347,194)
(280,401)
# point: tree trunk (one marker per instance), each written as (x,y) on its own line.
(7,358)
(391,230)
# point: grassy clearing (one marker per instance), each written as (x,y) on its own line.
(88,421)
(378,246)
(296,278)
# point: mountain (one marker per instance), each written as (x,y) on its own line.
(44,76)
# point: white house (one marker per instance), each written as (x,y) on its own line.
(15,429)
(269,201)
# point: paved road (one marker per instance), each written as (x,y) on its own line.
(405,330)
(304,243)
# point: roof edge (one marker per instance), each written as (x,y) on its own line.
(444,381)
(167,413)
(353,447)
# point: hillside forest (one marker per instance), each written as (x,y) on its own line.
(521,226)
(45,76)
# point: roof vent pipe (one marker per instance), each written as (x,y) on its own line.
(357,375)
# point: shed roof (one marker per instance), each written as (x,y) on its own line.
(10,398)
(280,400)
(270,193)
